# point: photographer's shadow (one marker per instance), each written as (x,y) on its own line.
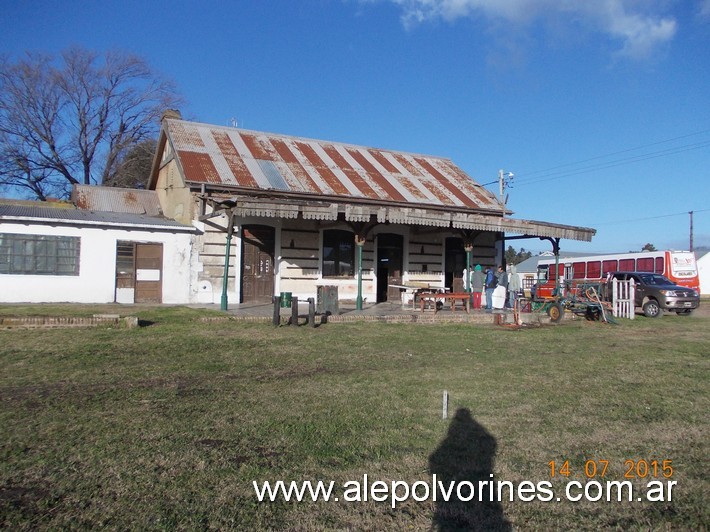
(465,457)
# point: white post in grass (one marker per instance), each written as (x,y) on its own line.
(445,407)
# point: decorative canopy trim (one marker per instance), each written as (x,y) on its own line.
(405,216)
(271,210)
(460,220)
(317,212)
(359,213)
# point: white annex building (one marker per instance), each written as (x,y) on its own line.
(60,254)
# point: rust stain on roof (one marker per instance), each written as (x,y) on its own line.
(255,147)
(355,178)
(295,166)
(445,182)
(266,161)
(114,199)
(81,202)
(429,183)
(380,158)
(376,176)
(326,173)
(185,135)
(199,167)
(241,173)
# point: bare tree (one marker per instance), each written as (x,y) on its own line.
(74,119)
(133,168)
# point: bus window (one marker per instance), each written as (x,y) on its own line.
(553,274)
(627,265)
(644,264)
(579,270)
(659,265)
(594,269)
(609,266)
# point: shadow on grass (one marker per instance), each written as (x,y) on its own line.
(463,459)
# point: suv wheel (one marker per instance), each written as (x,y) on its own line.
(651,309)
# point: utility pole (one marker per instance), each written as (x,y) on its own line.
(501,183)
(691,230)
(504,179)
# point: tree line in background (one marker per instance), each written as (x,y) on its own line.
(80,118)
(516,257)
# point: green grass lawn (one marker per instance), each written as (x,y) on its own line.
(168,425)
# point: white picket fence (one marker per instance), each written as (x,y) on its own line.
(622,298)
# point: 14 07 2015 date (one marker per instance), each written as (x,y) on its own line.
(597,468)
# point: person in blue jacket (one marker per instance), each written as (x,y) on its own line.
(491,283)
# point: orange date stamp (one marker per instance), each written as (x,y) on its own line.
(597,468)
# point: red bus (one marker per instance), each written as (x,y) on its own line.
(678,266)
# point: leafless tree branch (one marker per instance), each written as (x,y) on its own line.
(74,118)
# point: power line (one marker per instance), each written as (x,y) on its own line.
(619,152)
(613,164)
(555,172)
(685,213)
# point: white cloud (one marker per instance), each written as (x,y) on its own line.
(640,31)
(704,8)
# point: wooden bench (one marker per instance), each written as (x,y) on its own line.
(452,298)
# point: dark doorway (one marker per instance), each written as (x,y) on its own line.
(454,263)
(257,263)
(389,267)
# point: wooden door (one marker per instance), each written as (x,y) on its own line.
(454,264)
(149,273)
(257,263)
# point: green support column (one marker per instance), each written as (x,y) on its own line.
(230,230)
(360,243)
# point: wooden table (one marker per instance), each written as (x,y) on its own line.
(414,289)
(452,298)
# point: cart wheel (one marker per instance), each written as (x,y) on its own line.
(555,312)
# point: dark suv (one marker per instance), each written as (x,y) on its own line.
(656,293)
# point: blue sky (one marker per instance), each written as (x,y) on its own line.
(600,109)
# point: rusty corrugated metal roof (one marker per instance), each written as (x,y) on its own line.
(113,199)
(266,161)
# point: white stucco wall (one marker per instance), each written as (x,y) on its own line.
(96,282)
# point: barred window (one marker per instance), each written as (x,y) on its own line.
(39,254)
